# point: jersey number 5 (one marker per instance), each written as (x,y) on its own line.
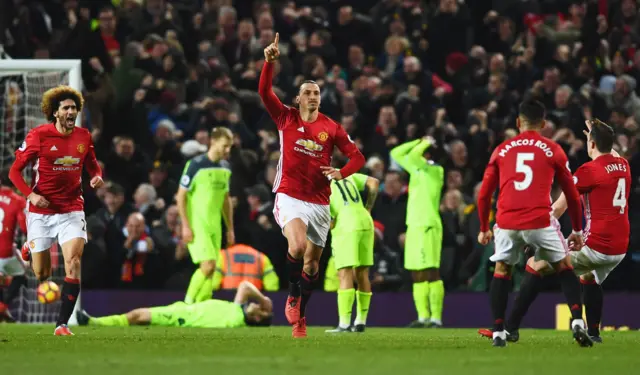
(522,167)
(619,198)
(345,190)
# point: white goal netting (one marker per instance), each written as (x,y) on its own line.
(21,92)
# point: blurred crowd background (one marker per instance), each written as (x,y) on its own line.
(159,75)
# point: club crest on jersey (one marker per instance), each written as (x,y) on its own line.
(32,244)
(323,136)
(80,148)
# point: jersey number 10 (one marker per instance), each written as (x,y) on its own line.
(346,190)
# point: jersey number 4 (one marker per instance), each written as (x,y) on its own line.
(522,167)
(346,190)
(619,198)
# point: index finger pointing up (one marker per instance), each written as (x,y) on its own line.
(275,41)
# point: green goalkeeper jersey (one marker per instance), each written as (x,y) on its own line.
(425,183)
(346,205)
(208,185)
(213,313)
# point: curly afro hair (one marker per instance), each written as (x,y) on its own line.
(52,98)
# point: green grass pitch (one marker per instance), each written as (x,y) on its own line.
(33,350)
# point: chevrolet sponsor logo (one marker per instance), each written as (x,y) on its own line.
(67,161)
(309,144)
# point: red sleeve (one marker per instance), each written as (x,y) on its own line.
(274,106)
(26,154)
(489,185)
(22,216)
(350,150)
(584,179)
(436,81)
(563,174)
(91,162)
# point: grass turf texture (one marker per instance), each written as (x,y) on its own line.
(32,349)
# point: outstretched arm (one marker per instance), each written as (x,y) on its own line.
(274,106)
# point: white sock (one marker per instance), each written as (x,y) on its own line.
(357,322)
(578,322)
(423,320)
(501,334)
(436,321)
(344,326)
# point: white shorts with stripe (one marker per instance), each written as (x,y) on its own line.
(600,265)
(549,243)
(43,230)
(316,217)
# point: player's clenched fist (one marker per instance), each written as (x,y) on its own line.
(484,237)
(187,234)
(96,182)
(271,53)
(38,200)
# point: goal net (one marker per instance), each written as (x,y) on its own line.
(22,84)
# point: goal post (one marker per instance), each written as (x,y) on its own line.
(22,84)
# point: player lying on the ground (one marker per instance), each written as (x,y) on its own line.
(352,244)
(301,209)
(249,308)
(12,215)
(58,151)
(423,243)
(525,167)
(604,183)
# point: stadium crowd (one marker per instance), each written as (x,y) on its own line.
(159,75)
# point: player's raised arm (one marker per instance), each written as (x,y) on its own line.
(246,292)
(274,106)
(489,184)
(350,150)
(409,155)
(27,153)
(563,174)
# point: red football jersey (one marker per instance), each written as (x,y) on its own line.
(525,166)
(57,167)
(604,184)
(305,147)
(12,213)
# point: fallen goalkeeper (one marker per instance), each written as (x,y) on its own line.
(249,308)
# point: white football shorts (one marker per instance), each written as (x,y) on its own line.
(43,230)
(316,217)
(11,266)
(600,265)
(549,243)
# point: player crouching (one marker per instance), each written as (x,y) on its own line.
(58,151)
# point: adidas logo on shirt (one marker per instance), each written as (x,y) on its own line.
(301,129)
(54,148)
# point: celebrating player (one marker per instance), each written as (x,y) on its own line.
(58,151)
(307,140)
(352,243)
(525,166)
(249,308)
(203,196)
(423,242)
(604,183)
(12,214)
